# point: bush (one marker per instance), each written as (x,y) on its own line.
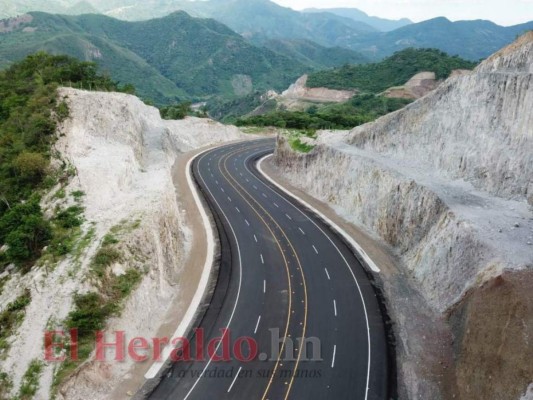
(30,380)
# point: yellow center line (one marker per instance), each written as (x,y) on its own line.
(287,326)
(304,325)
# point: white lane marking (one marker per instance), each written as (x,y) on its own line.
(288,216)
(237,208)
(334,354)
(264,195)
(255,238)
(247,223)
(335,306)
(301,230)
(229,199)
(276,205)
(257,325)
(241,174)
(223,191)
(212,176)
(180,332)
(262,259)
(315,249)
(216,181)
(342,232)
(235,379)
(255,187)
(327,274)
(247,180)
(264,286)
(208,164)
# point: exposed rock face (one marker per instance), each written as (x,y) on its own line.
(446,182)
(299,91)
(123,155)
(418,86)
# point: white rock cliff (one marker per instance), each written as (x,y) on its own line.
(447,183)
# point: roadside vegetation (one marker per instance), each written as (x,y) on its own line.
(29,113)
(92,310)
(361,109)
(10,319)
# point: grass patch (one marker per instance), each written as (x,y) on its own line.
(6,384)
(298,145)
(30,380)
(12,316)
(92,310)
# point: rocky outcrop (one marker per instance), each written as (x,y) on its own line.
(122,153)
(418,86)
(446,183)
(300,91)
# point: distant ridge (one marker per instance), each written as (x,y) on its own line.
(381,24)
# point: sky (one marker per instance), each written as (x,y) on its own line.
(503,12)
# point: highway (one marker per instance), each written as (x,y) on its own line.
(284,275)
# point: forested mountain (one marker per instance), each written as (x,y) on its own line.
(263,20)
(393,71)
(381,24)
(168,59)
(310,53)
(473,40)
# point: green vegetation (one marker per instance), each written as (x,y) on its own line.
(29,113)
(359,110)
(177,111)
(12,317)
(92,309)
(162,57)
(30,380)
(6,384)
(393,71)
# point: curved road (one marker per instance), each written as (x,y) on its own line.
(283,276)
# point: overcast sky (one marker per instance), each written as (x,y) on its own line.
(503,12)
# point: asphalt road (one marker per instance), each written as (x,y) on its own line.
(282,270)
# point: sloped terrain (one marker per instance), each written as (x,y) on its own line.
(446,183)
(168,59)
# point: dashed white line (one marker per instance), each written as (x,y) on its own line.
(237,208)
(276,205)
(334,354)
(335,307)
(229,199)
(223,191)
(265,196)
(241,174)
(315,249)
(247,223)
(255,238)
(255,187)
(288,216)
(264,286)
(262,259)
(257,325)
(247,180)
(235,379)
(301,230)
(327,274)
(216,182)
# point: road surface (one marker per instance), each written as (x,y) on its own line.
(284,275)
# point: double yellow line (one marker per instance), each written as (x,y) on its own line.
(240,190)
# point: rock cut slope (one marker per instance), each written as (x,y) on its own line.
(123,155)
(447,184)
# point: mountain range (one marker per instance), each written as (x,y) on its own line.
(263,21)
(380,24)
(168,59)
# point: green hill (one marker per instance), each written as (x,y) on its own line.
(472,40)
(310,53)
(168,59)
(393,71)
